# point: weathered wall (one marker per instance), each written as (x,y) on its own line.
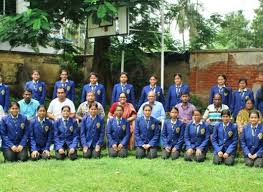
(206,65)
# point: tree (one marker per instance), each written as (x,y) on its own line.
(257,26)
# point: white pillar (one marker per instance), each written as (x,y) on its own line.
(162,45)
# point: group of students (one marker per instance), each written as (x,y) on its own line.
(20,135)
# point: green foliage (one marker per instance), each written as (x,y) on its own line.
(197,102)
(257,27)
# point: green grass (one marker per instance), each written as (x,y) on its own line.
(128,174)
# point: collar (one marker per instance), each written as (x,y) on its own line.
(218,107)
(252,126)
(96,84)
(226,124)
(35,81)
(186,106)
(118,118)
(220,87)
(244,90)
(26,102)
(14,117)
(174,122)
(154,87)
(152,104)
(146,118)
(39,120)
(92,117)
(123,84)
(65,119)
(200,123)
(64,82)
(179,86)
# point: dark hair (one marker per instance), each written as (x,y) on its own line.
(226,112)
(124,73)
(28,90)
(254,112)
(184,93)
(93,105)
(120,106)
(66,106)
(242,79)
(93,73)
(124,94)
(64,70)
(61,88)
(218,94)
(179,75)
(14,103)
(222,75)
(147,105)
(153,75)
(90,92)
(249,99)
(35,71)
(41,106)
(175,108)
(196,110)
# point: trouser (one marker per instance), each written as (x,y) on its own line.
(174,155)
(9,155)
(258,162)
(194,157)
(122,153)
(41,155)
(72,157)
(228,161)
(151,153)
(92,153)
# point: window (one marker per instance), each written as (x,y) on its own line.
(7,7)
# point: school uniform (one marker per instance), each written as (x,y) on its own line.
(4,96)
(225,139)
(92,133)
(69,86)
(147,131)
(126,88)
(38,90)
(14,132)
(174,94)
(144,94)
(252,142)
(259,100)
(196,136)
(225,92)
(99,91)
(66,136)
(172,136)
(118,132)
(41,135)
(239,100)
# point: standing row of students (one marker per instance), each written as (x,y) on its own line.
(20,135)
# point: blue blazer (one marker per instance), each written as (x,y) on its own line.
(225,140)
(66,135)
(158,91)
(14,132)
(259,101)
(118,134)
(38,90)
(239,102)
(147,134)
(40,135)
(92,131)
(226,93)
(195,140)
(173,98)
(100,94)
(173,136)
(129,90)
(4,97)
(69,87)
(252,144)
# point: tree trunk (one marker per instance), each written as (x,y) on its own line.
(102,64)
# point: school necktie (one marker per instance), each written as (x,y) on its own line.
(221,90)
(173,126)
(197,129)
(35,85)
(65,123)
(147,122)
(177,90)
(118,121)
(242,93)
(93,87)
(123,87)
(152,88)
(253,131)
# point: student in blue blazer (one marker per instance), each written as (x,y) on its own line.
(196,137)
(240,96)
(68,85)
(94,86)
(14,131)
(66,135)
(152,87)
(4,95)
(252,141)
(118,134)
(123,86)
(259,100)
(38,87)
(221,88)
(41,135)
(172,135)
(174,92)
(147,134)
(92,133)
(224,140)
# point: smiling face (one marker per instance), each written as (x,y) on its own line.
(41,113)
(177,80)
(151,97)
(122,98)
(254,119)
(225,118)
(242,84)
(147,111)
(14,110)
(90,97)
(93,111)
(65,112)
(221,81)
(61,94)
(153,81)
(118,112)
(93,79)
(197,116)
(174,114)
(35,76)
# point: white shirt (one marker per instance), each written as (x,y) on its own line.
(55,107)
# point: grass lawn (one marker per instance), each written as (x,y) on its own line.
(128,174)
